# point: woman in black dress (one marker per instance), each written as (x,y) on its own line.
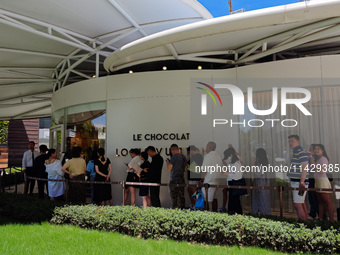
(143,175)
(102,192)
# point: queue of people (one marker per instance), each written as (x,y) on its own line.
(140,169)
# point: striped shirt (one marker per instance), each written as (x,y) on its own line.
(299,156)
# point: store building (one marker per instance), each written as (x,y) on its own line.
(150,95)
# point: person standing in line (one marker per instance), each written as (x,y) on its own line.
(27,166)
(76,169)
(53,170)
(90,168)
(143,175)
(102,192)
(155,175)
(234,178)
(225,161)
(133,167)
(261,198)
(195,159)
(322,182)
(312,197)
(40,169)
(212,159)
(176,165)
(298,174)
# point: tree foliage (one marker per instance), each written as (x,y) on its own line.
(4,132)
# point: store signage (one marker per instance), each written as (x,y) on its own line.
(160,137)
(149,137)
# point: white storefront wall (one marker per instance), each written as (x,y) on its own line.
(159,103)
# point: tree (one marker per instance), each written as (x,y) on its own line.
(4,132)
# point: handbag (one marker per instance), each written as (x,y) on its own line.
(199,200)
(238,192)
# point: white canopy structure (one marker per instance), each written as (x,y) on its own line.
(291,31)
(48,44)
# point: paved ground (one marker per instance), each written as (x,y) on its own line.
(20,190)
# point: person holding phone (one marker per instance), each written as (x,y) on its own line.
(143,177)
(298,174)
(133,167)
(176,166)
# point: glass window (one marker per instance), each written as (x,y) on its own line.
(85,127)
(89,134)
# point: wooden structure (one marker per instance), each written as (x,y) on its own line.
(20,132)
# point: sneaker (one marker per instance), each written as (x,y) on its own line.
(222,210)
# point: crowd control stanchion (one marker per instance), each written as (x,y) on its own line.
(9,178)
(1,180)
(281,202)
(26,183)
(206,203)
(66,190)
(123,187)
(15,183)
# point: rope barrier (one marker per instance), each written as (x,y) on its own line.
(200,185)
(187,185)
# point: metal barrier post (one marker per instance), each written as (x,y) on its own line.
(206,203)
(1,180)
(9,179)
(26,183)
(66,190)
(15,183)
(123,187)
(281,202)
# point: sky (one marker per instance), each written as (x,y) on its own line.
(221,7)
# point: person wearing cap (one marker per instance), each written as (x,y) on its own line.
(39,170)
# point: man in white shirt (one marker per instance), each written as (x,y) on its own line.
(212,159)
(27,165)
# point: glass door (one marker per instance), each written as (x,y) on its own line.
(57,139)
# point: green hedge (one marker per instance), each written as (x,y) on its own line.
(201,227)
(323,224)
(26,209)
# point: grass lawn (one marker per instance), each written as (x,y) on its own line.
(51,239)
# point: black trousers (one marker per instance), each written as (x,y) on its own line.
(30,182)
(154,195)
(313,199)
(177,194)
(41,185)
(234,204)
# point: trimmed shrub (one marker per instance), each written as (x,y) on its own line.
(26,209)
(201,227)
(323,224)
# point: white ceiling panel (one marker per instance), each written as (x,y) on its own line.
(59,39)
